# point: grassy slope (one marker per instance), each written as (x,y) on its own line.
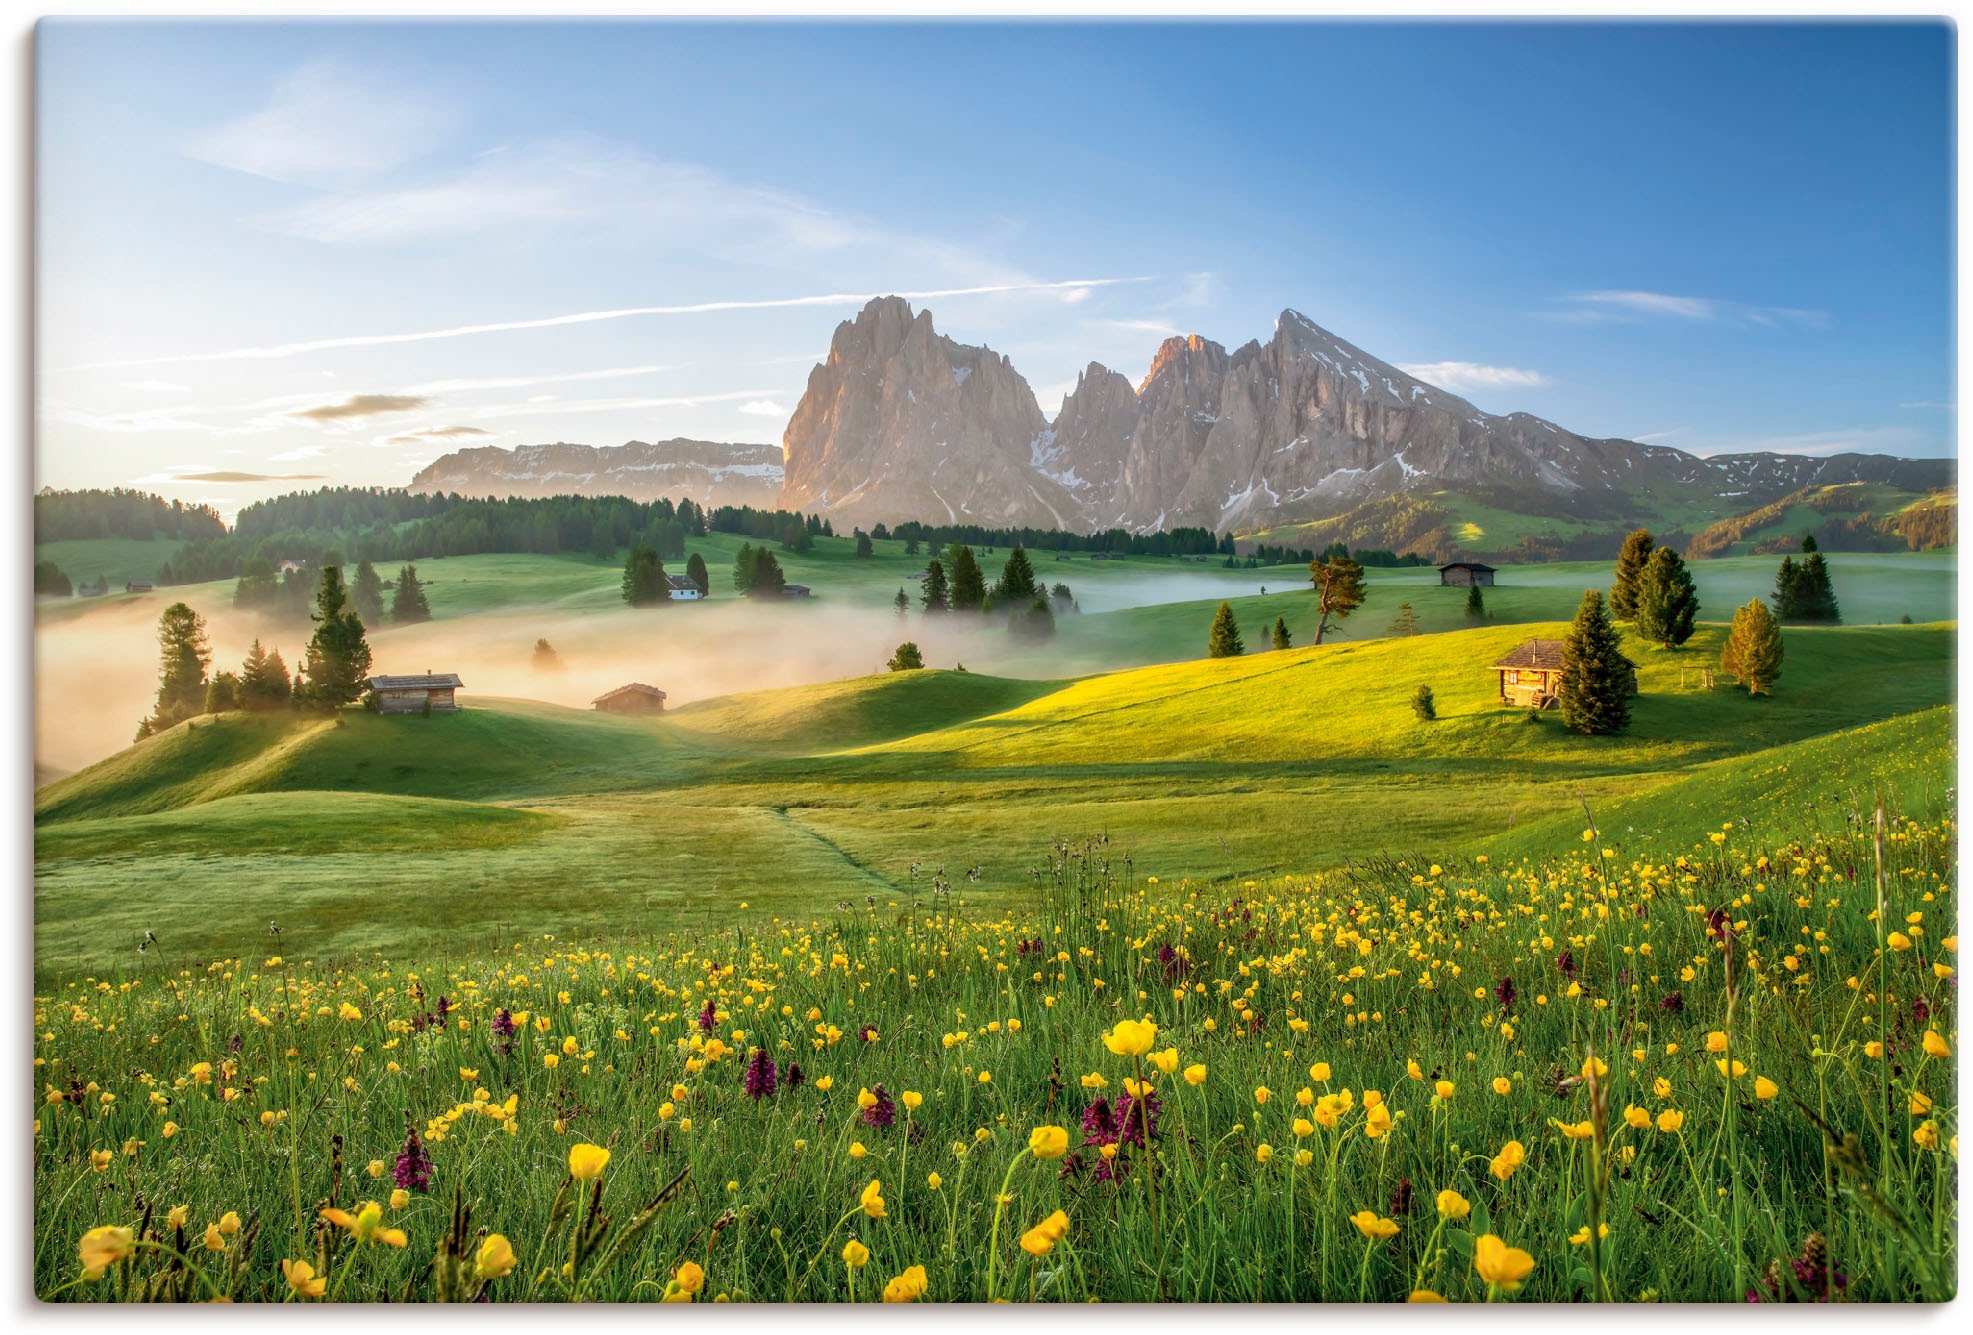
(860,711)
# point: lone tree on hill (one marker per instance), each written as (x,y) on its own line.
(695,570)
(1338,589)
(1017,585)
(1282,640)
(1405,622)
(743,569)
(407,601)
(338,658)
(1225,640)
(264,680)
(1423,705)
(1597,680)
(367,593)
(1666,601)
(644,583)
(863,544)
(1631,560)
(906,659)
(968,580)
(545,658)
(1476,605)
(1818,595)
(902,603)
(933,588)
(768,581)
(1753,649)
(184,654)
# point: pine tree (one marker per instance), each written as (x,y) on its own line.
(1281,637)
(1752,653)
(1405,623)
(222,693)
(1597,681)
(1225,639)
(184,654)
(743,569)
(1631,560)
(1423,705)
(768,581)
(1476,605)
(1036,621)
(1818,595)
(603,540)
(644,583)
(1338,590)
(545,658)
(258,586)
(1788,590)
(863,544)
(933,588)
(695,570)
(968,580)
(1666,602)
(264,680)
(367,594)
(902,603)
(337,661)
(906,659)
(1017,583)
(407,602)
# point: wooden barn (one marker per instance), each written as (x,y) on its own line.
(415,693)
(1459,574)
(139,586)
(636,698)
(1532,674)
(684,589)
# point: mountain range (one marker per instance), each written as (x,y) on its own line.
(901,422)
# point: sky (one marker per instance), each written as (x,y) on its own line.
(278,255)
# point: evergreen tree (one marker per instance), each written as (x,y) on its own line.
(264,680)
(906,659)
(1225,639)
(1666,603)
(1036,621)
(222,693)
(1423,705)
(863,544)
(1017,583)
(1597,680)
(184,653)
(933,589)
(695,570)
(1281,637)
(1752,653)
(902,603)
(1065,601)
(603,540)
(1338,589)
(1631,560)
(367,593)
(1788,590)
(1818,595)
(911,545)
(968,580)
(258,586)
(49,579)
(337,661)
(545,658)
(768,580)
(407,601)
(644,583)
(743,569)
(1405,623)
(1476,605)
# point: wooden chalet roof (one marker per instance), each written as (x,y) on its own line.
(1543,654)
(635,688)
(417,681)
(681,581)
(1466,565)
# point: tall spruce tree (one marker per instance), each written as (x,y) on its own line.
(968,580)
(644,583)
(337,661)
(1225,639)
(695,570)
(222,693)
(1036,621)
(407,600)
(264,679)
(1017,584)
(864,546)
(1666,601)
(1282,640)
(366,592)
(768,581)
(1788,590)
(743,569)
(1817,594)
(1631,560)
(902,603)
(184,654)
(1476,605)
(1338,590)
(1597,680)
(932,589)
(1753,650)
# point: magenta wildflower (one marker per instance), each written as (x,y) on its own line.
(413,1171)
(760,1076)
(883,1112)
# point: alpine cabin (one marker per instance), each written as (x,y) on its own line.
(416,693)
(1532,675)
(636,698)
(683,588)
(1459,574)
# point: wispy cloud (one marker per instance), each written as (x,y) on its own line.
(1473,375)
(327,124)
(1666,434)
(548,404)
(1629,306)
(1899,440)
(219,475)
(363,405)
(763,408)
(425,435)
(278,350)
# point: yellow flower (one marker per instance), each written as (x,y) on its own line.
(691,1277)
(1501,1266)
(496,1259)
(1581,1235)
(1926,1136)
(872,1199)
(911,1099)
(1166,1061)
(1263,1153)
(826,1083)
(1716,1041)
(1373,1225)
(1424,1296)
(865,1099)
(367,1224)
(1303,1127)
(1936,1046)
(934,1181)
(1765,1088)
(214,1240)
(1195,1075)
(1041,1239)
(1661,1088)
(1512,1155)
(1899,941)
(1263,1094)
(177,1217)
(1739,1069)
(1319,1072)
(377,1168)
(1377,1122)
(1670,1120)
(104,1247)
(302,1278)
(1502,1085)
(1048,1142)
(399,1199)
(855,1254)
(1444,1089)
(1637,1117)
(587,1161)
(100,1160)
(1921,1103)
(1131,1038)
(1453,1205)
(857,1149)
(908,1287)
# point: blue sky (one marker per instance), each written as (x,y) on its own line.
(1713,236)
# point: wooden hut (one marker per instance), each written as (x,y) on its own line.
(636,698)
(1532,674)
(416,693)
(1459,574)
(683,588)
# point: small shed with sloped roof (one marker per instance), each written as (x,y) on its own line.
(636,698)
(416,693)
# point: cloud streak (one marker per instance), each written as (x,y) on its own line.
(363,405)
(1630,306)
(1473,375)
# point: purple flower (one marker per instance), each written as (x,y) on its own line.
(760,1076)
(1673,1003)
(1098,1128)
(443,1008)
(708,1017)
(794,1076)
(1566,962)
(1505,994)
(1137,1119)
(881,1113)
(413,1171)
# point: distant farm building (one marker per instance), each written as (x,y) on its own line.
(1532,675)
(794,590)
(139,586)
(684,588)
(416,693)
(285,567)
(636,698)
(1461,573)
